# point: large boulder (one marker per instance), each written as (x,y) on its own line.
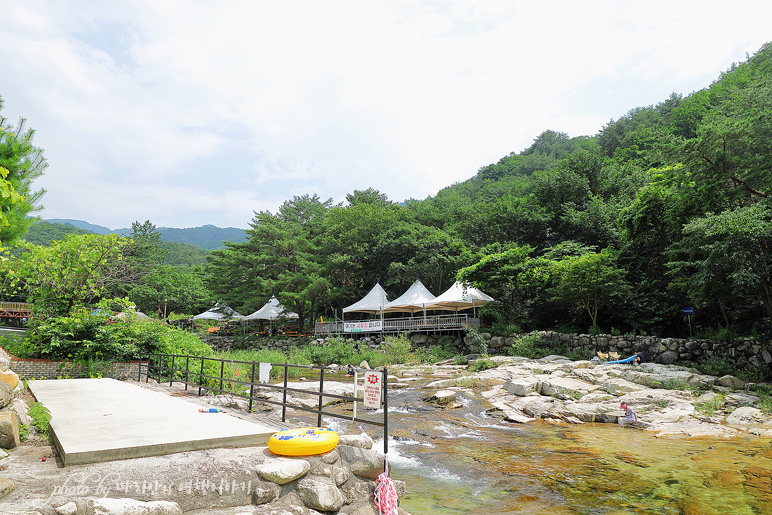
(667,357)
(730,382)
(746,416)
(10,377)
(522,386)
(320,493)
(7,394)
(362,462)
(282,470)
(565,388)
(9,430)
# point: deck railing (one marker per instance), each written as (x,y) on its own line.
(15,309)
(416,324)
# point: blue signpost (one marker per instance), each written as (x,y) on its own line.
(689,312)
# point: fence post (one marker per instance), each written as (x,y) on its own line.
(284,397)
(171,372)
(159,369)
(222,373)
(252,387)
(139,369)
(321,396)
(187,371)
(201,377)
(385,421)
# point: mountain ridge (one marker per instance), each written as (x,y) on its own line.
(209,237)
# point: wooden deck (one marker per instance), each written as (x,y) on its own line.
(15,309)
(431,323)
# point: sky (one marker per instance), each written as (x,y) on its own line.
(189,112)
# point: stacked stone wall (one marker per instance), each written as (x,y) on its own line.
(746,353)
(53,369)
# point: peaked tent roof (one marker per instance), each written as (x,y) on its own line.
(416,298)
(218,312)
(271,311)
(460,296)
(374,302)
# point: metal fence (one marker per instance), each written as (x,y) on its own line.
(194,372)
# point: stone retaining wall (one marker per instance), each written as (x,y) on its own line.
(53,369)
(746,353)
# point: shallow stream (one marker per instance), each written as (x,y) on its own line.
(464,461)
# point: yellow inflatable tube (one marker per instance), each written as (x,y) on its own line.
(303,441)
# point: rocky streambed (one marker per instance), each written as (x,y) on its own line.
(668,399)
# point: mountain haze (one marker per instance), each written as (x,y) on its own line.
(207,237)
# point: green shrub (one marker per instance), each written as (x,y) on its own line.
(716,366)
(712,405)
(397,349)
(530,346)
(474,340)
(502,329)
(40,416)
(479,365)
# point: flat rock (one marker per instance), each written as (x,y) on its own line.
(565,387)
(522,386)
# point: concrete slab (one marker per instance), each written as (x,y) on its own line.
(95,420)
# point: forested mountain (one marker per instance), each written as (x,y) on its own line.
(42,232)
(207,237)
(664,208)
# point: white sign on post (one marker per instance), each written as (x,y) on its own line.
(372,390)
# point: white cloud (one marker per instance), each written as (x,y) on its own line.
(198,112)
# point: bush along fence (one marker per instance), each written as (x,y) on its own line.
(54,369)
(209,375)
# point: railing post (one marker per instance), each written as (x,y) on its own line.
(171,372)
(284,397)
(159,369)
(385,420)
(187,371)
(321,396)
(139,369)
(222,373)
(252,387)
(201,377)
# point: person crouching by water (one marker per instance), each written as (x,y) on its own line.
(630,418)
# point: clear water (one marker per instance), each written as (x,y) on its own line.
(464,461)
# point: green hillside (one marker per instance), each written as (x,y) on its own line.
(207,237)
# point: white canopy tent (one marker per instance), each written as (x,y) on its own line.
(415,299)
(219,312)
(272,310)
(460,296)
(374,302)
